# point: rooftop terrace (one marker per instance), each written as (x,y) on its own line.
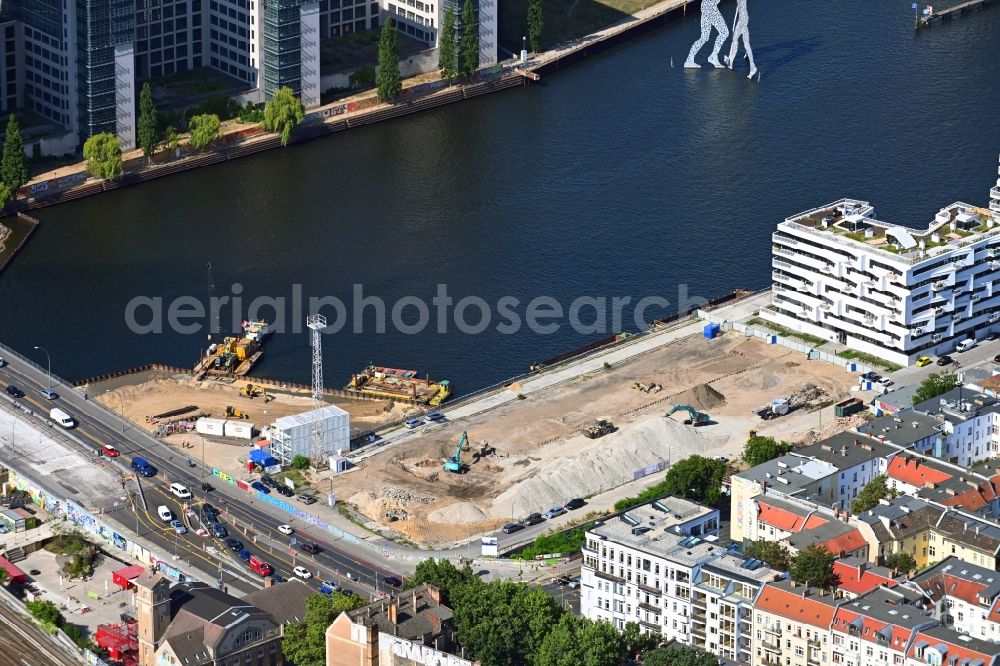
(955,226)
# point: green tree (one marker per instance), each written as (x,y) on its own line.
(5,195)
(635,642)
(171,138)
(14,167)
(387,77)
(305,644)
(902,562)
(814,565)
(443,575)
(45,611)
(774,553)
(875,490)
(758,450)
(696,478)
(535,25)
(561,646)
(447,55)
(79,566)
(104,156)
(934,385)
(469,51)
(147,121)
(503,623)
(204,130)
(4,576)
(300,462)
(602,644)
(282,113)
(682,656)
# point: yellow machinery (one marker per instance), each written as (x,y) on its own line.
(249,391)
(232,412)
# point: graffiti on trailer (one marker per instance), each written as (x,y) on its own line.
(222,475)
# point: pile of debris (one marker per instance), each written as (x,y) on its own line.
(483,450)
(647,388)
(393,502)
(598,428)
(809,396)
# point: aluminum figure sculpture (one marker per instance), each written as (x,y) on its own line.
(741,30)
(711,17)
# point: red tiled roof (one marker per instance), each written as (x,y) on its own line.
(867,581)
(971,500)
(915,472)
(794,607)
(966,590)
(786,520)
(845,543)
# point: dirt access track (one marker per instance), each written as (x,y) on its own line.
(542,460)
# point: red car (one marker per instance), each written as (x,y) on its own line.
(110,451)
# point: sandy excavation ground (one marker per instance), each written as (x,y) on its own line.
(541,460)
(156,393)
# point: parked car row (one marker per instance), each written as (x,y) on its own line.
(535,518)
(267,484)
(416,422)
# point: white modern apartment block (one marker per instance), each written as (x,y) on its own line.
(883,289)
(641,566)
(292,436)
(422,20)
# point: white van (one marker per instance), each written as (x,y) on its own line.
(180,491)
(164,513)
(965,345)
(62,418)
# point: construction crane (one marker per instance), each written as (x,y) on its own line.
(454,464)
(694,416)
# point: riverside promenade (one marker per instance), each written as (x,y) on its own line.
(419,93)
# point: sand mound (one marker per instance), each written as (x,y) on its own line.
(612,461)
(461,513)
(701,396)
(758,380)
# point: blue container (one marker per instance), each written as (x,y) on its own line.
(711,331)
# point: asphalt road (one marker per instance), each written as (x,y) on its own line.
(981,355)
(96,427)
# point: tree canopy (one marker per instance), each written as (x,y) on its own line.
(443,575)
(902,562)
(814,565)
(147,121)
(680,656)
(387,77)
(282,113)
(934,385)
(696,478)
(774,553)
(14,166)
(305,644)
(104,156)
(875,490)
(535,25)
(758,450)
(469,46)
(204,130)
(447,53)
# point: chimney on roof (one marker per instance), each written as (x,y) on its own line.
(393,612)
(861,569)
(843,450)
(794,584)
(414,601)
(268,581)
(434,594)
(435,623)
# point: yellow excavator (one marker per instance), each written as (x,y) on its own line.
(232,412)
(249,391)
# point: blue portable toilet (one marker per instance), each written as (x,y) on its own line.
(711,331)
(852,367)
(772,339)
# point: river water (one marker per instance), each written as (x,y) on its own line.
(618,177)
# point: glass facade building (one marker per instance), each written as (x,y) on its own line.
(101,25)
(282,46)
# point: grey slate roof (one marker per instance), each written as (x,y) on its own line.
(899,428)
(189,648)
(285,602)
(412,622)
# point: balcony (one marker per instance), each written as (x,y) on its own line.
(780,238)
(699,602)
(607,576)
(771,646)
(651,608)
(776,630)
(647,588)
(698,616)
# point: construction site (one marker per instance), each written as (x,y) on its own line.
(591,434)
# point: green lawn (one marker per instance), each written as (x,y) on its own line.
(787,333)
(563,19)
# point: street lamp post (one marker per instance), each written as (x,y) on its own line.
(123,406)
(49,359)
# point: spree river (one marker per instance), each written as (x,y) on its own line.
(618,177)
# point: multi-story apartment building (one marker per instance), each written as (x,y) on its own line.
(962,596)
(841,274)
(792,625)
(641,566)
(875,628)
(722,605)
(82,60)
(422,19)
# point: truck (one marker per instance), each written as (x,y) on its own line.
(142,467)
(62,418)
(774,409)
(260,566)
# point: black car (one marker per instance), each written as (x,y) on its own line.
(219,531)
(268,481)
(996,359)
(574,503)
(233,544)
(392,581)
(307,499)
(15,392)
(510,528)
(534,519)
(871,376)
(993,336)
(209,510)
(944,360)
(207,487)
(284,490)
(309,547)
